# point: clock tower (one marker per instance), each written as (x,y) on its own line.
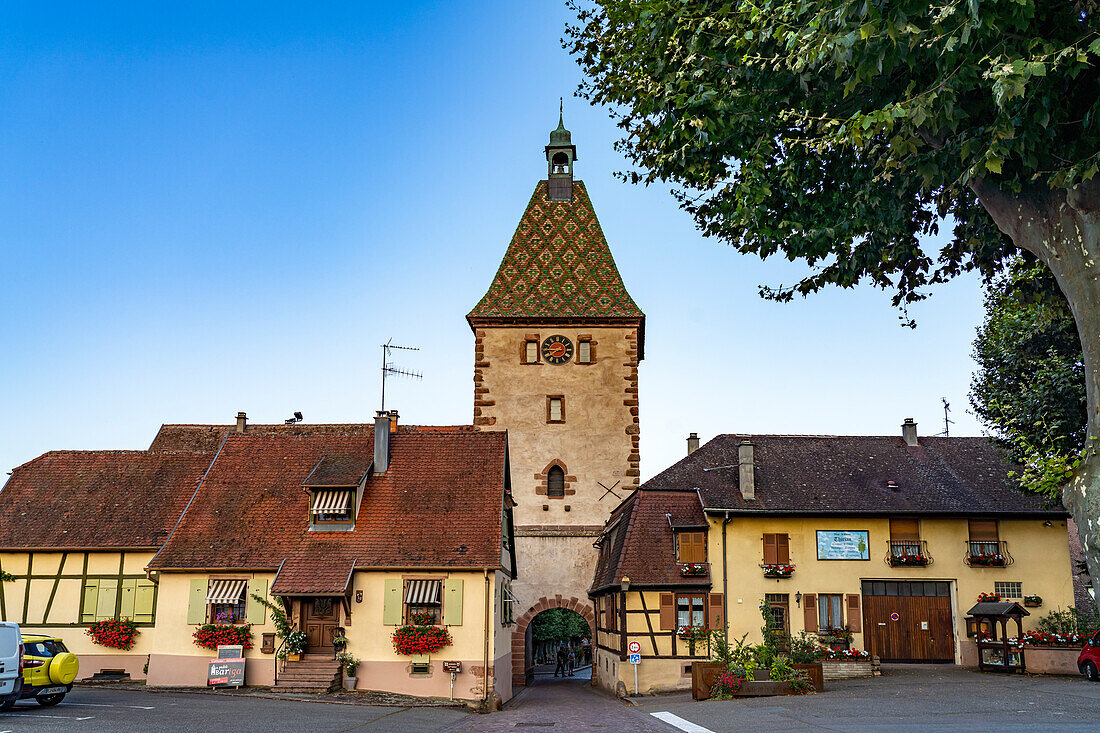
(557,342)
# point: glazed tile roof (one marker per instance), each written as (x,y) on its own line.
(439,504)
(558,265)
(852,475)
(643,545)
(86,499)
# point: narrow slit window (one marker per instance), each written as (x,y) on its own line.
(555,409)
(531,352)
(584,352)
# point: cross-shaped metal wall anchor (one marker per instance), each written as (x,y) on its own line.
(607,491)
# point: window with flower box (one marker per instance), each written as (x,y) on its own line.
(423,602)
(691,547)
(1009,590)
(225,601)
(777,549)
(830,611)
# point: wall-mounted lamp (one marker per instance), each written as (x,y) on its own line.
(625,584)
(798,598)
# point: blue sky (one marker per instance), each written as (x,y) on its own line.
(207,208)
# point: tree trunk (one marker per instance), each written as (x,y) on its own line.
(1062,229)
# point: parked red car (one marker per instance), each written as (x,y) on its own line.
(1089,660)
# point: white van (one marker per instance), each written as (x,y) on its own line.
(11,664)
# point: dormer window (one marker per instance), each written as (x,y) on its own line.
(331,506)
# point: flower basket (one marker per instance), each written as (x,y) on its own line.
(211,636)
(693,569)
(778,571)
(1039,638)
(988,598)
(1033,601)
(693,633)
(420,639)
(847,655)
(992,560)
(908,561)
(113,633)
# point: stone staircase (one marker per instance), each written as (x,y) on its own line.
(316,673)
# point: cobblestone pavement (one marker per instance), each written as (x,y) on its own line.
(569,704)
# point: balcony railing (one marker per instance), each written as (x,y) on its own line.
(987,554)
(908,553)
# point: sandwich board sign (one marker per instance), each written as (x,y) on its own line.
(228,669)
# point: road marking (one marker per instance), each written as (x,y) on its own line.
(684,725)
(104,705)
(55,717)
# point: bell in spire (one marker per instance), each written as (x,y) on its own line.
(560,154)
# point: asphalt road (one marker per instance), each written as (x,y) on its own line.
(99,710)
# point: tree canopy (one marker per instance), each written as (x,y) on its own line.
(559,624)
(1029,388)
(840,132)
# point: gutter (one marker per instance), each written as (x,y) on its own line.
(725,576)
(1046,514)
(485,678)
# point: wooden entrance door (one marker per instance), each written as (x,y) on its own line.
(908,621)
(320,622)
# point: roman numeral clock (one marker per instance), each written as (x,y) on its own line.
(557,349)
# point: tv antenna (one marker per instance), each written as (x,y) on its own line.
(947,422)
(390,369)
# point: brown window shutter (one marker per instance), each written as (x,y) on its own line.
(771,550)
(855,618)
(782,549)
(983,530)
(668,612)
(904,529)
(809,607)
(715,610)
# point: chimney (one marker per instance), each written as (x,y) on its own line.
(747,470)
(909,432)
(242,421)
(381,441)
(693,443)
(393,421)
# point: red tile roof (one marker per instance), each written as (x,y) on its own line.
(86,499)
(643,545)
(339,470)
(438,505)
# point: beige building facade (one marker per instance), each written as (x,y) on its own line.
(558,341)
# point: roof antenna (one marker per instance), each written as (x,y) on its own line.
(388,368)
(947,422)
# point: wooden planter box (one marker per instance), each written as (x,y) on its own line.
(703,675)
(764,688)
(814,672)
(846,670)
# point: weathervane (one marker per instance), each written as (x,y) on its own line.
(389,369)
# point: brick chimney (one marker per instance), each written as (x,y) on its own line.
(242,422)
(693,443)
(381,441)
(909,432)
(747,470)
(393,421)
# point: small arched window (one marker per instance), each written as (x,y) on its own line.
(555,483)
(561,163)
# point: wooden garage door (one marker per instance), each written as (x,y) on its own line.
(908,621)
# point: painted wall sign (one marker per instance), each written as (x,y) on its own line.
(843,544)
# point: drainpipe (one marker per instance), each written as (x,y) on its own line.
(485,684)
(725,580)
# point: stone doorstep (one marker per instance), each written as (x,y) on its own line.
(339,697)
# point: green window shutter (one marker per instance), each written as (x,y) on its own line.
(196,603)
(91,598)
(255,611)
(126,609)
(452,602)
(108,594)
(391,602)
(144,596)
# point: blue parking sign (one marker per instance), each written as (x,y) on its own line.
(635,658)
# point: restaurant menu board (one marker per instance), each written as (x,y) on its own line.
(842,544)
(228,669)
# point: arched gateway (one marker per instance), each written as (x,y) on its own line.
(521,657)
(557,344)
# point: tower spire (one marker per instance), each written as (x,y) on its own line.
(560,154)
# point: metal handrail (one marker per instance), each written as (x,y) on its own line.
(907,548)
(279,649)
(978,549)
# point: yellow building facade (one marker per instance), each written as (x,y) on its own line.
(899,578)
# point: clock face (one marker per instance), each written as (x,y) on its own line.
(557,349)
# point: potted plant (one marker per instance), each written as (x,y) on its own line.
(988,598)
(691,569)
(422,639)
(1033,601)
(907,560)
(293,645)
(339,644)
(113,633)
(351,666)
(778,571)
(988,560)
